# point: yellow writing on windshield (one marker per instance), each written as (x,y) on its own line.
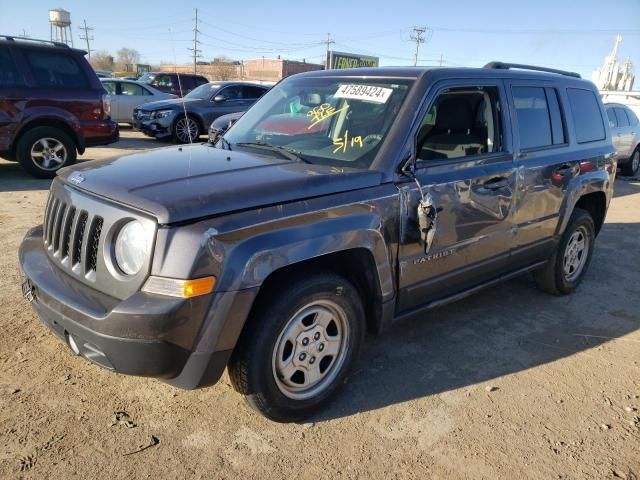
(322,112)
(345,141)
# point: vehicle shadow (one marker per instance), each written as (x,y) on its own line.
(626,186)
(13,178)
(501,331)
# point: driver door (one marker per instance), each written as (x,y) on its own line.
(465,168)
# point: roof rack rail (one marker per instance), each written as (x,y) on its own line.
(13,38)
(507,66)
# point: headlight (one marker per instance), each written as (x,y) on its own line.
(131,248)
(161,114)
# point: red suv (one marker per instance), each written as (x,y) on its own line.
(52,105)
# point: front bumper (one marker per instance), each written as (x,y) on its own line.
(183,342)
(158,128)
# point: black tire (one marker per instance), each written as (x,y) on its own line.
(52,136)
(252,367)
(553,278)
(179,126)
(631,167)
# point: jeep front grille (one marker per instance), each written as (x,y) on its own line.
(77,233)
(66,235)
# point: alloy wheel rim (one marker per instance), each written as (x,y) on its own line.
(186,130)
(635,162)
(310,350)
(575,254)
(48,153)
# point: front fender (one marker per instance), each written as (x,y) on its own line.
(250,262)
(584,184)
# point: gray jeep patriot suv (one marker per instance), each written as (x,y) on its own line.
(340,203)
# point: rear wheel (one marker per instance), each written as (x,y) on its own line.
(631,167)
(186,130)
(296,352)
(568,266)
(42,151)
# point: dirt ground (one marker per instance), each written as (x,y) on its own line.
(510,383)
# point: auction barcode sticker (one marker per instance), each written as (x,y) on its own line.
(368,93)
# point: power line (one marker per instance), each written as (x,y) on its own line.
(195,50)
(86,37)
(328,42)
(417,37)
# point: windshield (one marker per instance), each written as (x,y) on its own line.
(147,78)
(329,121)
(203,92)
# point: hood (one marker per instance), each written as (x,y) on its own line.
(177,184)
(169,103)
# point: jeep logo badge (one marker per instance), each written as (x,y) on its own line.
(77,178)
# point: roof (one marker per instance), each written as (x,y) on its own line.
(441,73)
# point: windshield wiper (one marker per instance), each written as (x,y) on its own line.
(286,152)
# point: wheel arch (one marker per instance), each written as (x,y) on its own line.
(357,265)
(591,192)
(49,122)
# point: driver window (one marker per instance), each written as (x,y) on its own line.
(462,121)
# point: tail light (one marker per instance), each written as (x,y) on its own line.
(106,104)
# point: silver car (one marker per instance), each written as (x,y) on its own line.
(626,136)
(127,95)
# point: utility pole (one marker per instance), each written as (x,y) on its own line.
(417,37)
(441,59)
(87,37)
(24,34)
(195,51)
(328,41)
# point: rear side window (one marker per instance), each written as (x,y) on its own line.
(163,81)
(252,92)
(534,122)
(186,82)
(132,89)
(201,81)
(110,87)
(9,74)
(55,69)
(612,117)
(623,121)
(586,115)
(633,120)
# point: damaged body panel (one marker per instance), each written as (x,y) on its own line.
(415,186)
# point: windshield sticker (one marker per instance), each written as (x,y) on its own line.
(368,93)
(322,112)
(343,142)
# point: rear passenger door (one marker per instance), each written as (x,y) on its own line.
(624,133)
(465,166)
(251,93)
(545,164)
(559,131)
(13,93)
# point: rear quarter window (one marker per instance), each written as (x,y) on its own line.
(587,118)
(55,69)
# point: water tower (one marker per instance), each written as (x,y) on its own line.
(60,22)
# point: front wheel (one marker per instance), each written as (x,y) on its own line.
(297,350)
(186,130)
(568,265)
(630,168)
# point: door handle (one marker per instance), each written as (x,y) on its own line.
(496,183)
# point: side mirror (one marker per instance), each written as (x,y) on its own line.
(219,98)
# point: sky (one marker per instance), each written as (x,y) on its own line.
(568,34)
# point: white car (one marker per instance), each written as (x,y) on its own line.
(127,95)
